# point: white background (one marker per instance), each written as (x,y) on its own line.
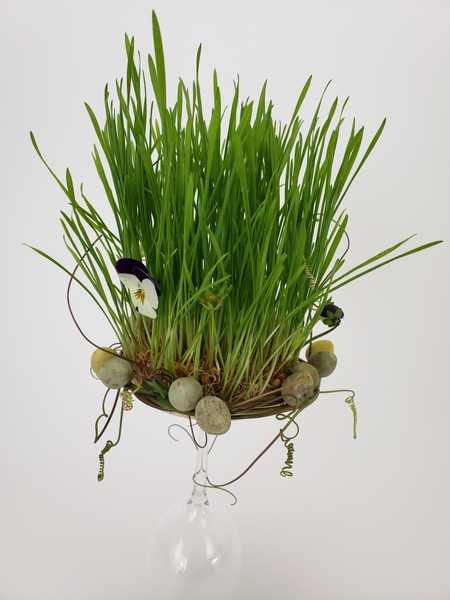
(360,520)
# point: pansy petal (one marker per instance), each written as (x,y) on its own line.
(144,299)
(151,295)
(146,309)
(126,265)
(141,275)
(144,291)
(158,289)
(130,281)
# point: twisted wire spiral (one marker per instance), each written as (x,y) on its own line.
(286,471)
(351,402)
(312,280)
(101,458)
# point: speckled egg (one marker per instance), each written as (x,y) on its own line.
(301,388)
(302,367)
(116,373)
(213,415)
(319,345)
(324,361)
(184,393)
(100,356)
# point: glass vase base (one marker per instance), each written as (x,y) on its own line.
(194,553)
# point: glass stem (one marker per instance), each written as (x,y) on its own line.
(199,495)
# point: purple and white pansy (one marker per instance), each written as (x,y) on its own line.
(144,289)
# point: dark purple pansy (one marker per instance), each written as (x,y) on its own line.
(331,315)
(131,266)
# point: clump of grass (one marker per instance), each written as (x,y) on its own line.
(237,217)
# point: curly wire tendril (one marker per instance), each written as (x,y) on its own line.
(351,402)
(127,399)
(312,280)
(101,458)
(291,418)
(194,441)
(197,445)
(109,444)
(69,305)
(126,395)
(169,431)
(286,471)
(105,415)
(216,487)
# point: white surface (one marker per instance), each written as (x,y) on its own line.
(360,520)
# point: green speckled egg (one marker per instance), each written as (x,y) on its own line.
(324,361)
(301,388)
(184,393)
(302,367)
(116,373)
(213,415)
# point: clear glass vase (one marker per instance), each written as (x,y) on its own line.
(194,551)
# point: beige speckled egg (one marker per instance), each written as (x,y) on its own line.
(319,345)
(100,356)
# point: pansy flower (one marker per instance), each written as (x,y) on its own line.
(331,315)
(144,289)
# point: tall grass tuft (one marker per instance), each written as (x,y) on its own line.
(237,217)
